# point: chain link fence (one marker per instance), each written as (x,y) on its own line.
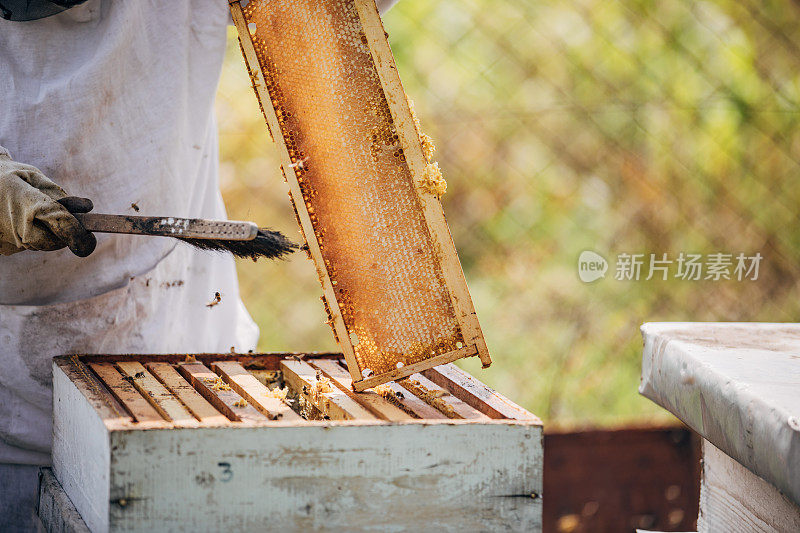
(635,127)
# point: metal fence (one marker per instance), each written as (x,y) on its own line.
(620,127)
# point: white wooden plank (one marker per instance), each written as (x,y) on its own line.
(734,499)
(329,477)
(81,451)
(737,385)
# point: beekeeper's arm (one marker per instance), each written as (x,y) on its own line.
(31,217)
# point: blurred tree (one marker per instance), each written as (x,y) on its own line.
(636,127)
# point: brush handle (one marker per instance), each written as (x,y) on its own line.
(189,228)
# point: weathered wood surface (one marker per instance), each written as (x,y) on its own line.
(262,361)
(435,394)
(369,399)
(336,404)
(474,393)
(55,510)
(167,405)
(252,390)
(193,400)
(81,450)
(414,404)
(407,370)
(220,394)
(733,499)
(329,478)
(126,393)
(736,385)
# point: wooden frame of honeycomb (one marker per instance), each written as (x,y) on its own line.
(360,182)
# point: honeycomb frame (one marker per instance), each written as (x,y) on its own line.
(409,309)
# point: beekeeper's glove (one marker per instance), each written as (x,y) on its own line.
(31,217)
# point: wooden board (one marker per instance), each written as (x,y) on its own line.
(336,404)
(440,398)
(193,400)
(732,498)
(371,400)
(198,394)
(377,355)
(405,371)
(419,408)
(139,408)
(106,405)
(219,394)
(167,405)
(335,477)
(474,393)
(81,447)
(254,391)
(54,509)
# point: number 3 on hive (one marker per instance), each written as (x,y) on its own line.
(227,473)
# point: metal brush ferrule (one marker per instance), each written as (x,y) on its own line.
(188,228)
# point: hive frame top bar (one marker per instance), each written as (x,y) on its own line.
(426,203)
(175,391)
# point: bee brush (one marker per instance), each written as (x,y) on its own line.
(242,239)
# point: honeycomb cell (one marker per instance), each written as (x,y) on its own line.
(350,165)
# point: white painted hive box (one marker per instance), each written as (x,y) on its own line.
(158,443)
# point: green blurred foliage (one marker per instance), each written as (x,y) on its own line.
(637,127)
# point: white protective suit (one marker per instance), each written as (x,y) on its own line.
(113,100)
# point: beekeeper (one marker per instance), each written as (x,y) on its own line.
(112,101)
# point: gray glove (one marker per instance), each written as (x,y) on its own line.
(31,218)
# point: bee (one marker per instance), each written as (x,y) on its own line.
(217,299)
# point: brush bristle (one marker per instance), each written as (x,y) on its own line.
(269,244)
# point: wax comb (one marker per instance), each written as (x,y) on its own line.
(363,187)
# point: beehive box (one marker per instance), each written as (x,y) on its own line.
(210,443)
